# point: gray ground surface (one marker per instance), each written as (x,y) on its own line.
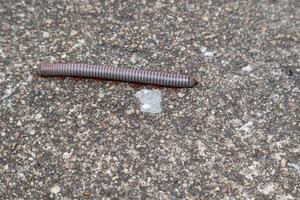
(236,135)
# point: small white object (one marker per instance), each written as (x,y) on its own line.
(81,42)
(32,132)
(206,53)
(246,127)
(267,189)
(19,123)
(133,58)
(38,116)
(248,69)
(150,100)
(101,94)
(2,54)
(67,155)
(55,189)
(209,54)
(181,94)
(73,32)
(180,19)
(203,49)
(45,34)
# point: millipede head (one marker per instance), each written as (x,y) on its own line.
(192,82)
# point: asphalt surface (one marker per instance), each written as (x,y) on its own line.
(234,136)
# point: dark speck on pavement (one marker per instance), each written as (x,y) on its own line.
(236,135)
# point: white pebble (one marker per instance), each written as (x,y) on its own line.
(133,58)
(32,132)
(67,155)
(209,54)
(55,189)
(2,54)
(248,69)
(180,19)
(181,94)
(45,34)
(246,127)
(38,116)
(101,94)
(203,49)
(73,32)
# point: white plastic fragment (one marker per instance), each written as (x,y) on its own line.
(150,100)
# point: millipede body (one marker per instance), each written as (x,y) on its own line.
(118,74)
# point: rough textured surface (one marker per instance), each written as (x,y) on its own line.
(236,135)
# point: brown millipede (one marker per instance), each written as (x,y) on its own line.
(118,74)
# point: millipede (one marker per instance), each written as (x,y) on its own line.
(118,74)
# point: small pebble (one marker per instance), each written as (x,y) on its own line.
(38,116)
(55,189)
(180,94)
(46,34)
(209,54)
(32,132)
(19,123)
(73,33)
(248,69)
(133,58)
(283,163)
(87,194)
(205,18)
(66,155)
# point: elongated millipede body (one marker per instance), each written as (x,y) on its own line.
(118,74)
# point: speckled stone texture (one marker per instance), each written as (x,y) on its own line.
(235,136)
